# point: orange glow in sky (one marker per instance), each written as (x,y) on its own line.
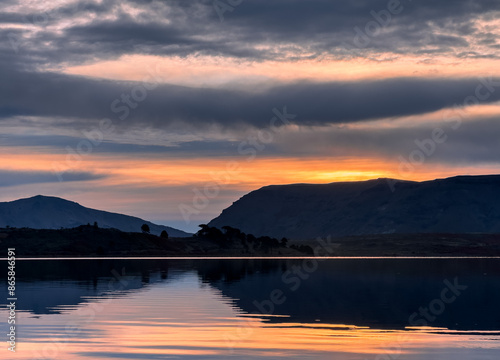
(153,186)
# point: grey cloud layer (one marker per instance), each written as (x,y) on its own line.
(256,29)
(15,178)
(475,141)
(187,149)
(55,95)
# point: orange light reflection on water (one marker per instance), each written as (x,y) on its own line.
(190,319)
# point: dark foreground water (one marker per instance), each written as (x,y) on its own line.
(256,309)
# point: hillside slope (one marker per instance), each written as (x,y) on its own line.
(463,204)
(44,212)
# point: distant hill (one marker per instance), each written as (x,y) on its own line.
(44,212)
(462,204)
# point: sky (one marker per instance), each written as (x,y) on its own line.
(172,110)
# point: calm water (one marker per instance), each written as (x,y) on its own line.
(256,309)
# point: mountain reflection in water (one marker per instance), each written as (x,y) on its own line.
(258,309)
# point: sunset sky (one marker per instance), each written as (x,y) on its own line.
(172,110)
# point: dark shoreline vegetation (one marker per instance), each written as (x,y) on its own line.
(90,240)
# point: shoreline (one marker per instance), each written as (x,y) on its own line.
(93,243)
(256,258)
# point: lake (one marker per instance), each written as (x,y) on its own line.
(256,309)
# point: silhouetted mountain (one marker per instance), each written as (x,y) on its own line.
(43,212)
(462,204)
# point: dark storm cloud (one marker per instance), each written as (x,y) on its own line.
(254,30)
(64,96)
(320,26)
(15,178)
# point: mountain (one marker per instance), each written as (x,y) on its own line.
(462,204)
(44,212)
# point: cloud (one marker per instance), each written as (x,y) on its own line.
(82,32)
(475,141)
(179,149)
(16,178)
(85,31)
(65,96)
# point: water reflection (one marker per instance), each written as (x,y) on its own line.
(373,293)
(269,309)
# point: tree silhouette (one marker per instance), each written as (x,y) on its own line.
(164,234)
(230,236)
(284,241)
(145,228)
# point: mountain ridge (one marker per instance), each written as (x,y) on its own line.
(50,212)
(460,204)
